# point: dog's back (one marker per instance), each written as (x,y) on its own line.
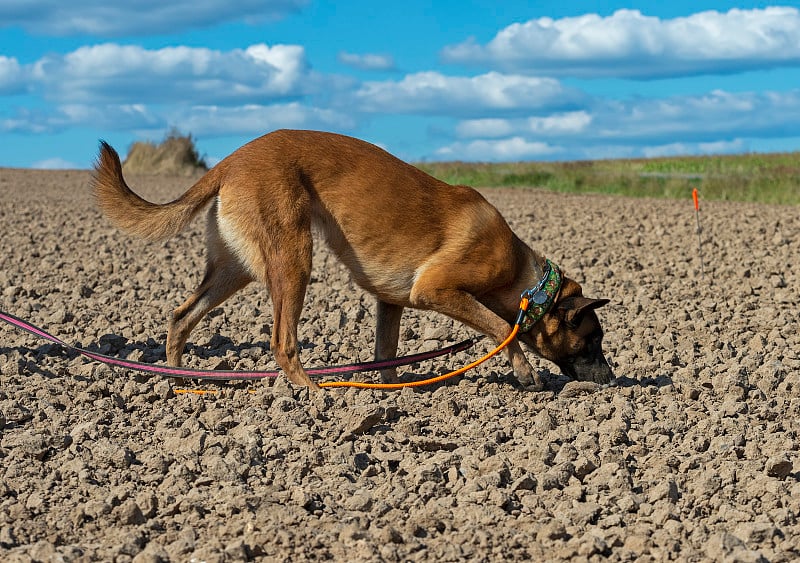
(385,219)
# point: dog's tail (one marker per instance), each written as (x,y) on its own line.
(137,216)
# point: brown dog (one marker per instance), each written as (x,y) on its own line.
(408,238)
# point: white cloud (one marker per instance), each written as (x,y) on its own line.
(119,117)
(367,61)
(717,122)
(214,121)
(630,44)
(700,118)
(703,118)
(607,151)
(676,149)
(143,17)
(435,93)
(205,91)
(487,128)
(201,121)
(132,74)
(518,149)
(514,148)
(11,76)
(55,163)
(556,125)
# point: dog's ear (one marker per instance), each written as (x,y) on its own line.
(572,309)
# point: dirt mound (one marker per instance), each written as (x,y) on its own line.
(692,455)
(176,155)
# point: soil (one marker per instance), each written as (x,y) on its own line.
(691,454)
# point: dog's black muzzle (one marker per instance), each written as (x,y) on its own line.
(593,368)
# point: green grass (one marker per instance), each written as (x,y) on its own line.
(763,178)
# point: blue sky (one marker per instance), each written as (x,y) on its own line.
(450,80)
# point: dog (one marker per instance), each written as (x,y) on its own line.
(406,237)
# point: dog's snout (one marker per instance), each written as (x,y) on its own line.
(593,368)
(601,372)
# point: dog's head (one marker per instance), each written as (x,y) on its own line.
(570,335)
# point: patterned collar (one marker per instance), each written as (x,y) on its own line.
(540,298)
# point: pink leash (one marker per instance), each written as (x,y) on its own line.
(230,375)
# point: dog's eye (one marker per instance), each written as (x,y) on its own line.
(573,319)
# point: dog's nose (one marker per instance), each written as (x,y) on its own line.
(594,368)
(603,372)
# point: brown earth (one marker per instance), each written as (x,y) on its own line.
(692,455)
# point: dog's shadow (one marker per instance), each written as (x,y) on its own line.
(225,350)
(657,381)
(221,347)
(120,347)
(566,387)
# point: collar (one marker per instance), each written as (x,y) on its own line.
(540,297)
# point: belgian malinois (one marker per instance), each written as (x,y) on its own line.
(408,238)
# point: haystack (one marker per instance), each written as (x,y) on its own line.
(176,155)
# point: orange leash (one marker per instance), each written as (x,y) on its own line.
(523,307)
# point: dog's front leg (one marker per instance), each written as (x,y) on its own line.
(284,343)
(463,307)
(387,334)
(523,372)
(288,275)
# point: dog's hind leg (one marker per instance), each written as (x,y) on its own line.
(224,277)
(387,334)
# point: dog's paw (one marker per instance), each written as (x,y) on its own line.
(389,376)
(529,381)
(524,378)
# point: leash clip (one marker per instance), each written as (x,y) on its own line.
(537,294)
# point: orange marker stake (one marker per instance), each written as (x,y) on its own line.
(699,241)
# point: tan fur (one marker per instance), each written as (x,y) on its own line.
(411,240)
